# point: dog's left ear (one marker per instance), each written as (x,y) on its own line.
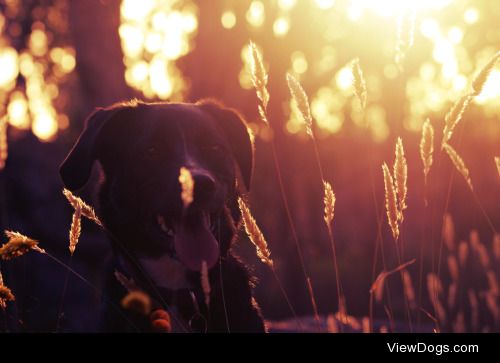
(237,135)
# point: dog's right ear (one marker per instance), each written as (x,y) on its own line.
(76,168)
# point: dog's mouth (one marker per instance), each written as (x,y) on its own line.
(193,239)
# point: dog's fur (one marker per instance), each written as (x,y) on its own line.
(141,148)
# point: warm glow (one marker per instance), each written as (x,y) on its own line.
(154,34)
(324,4)
(394,7)
(281,26)
(256,14)
(228,19)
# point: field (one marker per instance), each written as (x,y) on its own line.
(374,203)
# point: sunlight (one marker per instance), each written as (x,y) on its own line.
(394,7)
(154,35)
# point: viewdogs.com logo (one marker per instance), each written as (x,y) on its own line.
(437,349)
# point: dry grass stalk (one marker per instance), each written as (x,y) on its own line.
(75,230)
(449,232)
(482,253)
(427,147)
(187,186)
(128,284)
(492,283)
(453,117)
(18,245)
(459,164)
(452,295)
(474,239)
(365,325)
(138,302)
(377,288)
(259,80)
(329,200)
(313,301)
(474,305)
(400,170)
(300,97)
(463,252)
(359,82)
(496,246)
(497,162)
(205,282)
(254,234)
(391,202)
(435,289)
(453,268)
(405,34)
(4,147)
(408,289)
(481,78)
(5,294)
(491,303)
(86,210)
(331,324)
(459,323)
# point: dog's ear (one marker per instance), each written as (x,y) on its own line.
(76,168)
(237,135)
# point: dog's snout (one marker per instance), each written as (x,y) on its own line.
(204,187)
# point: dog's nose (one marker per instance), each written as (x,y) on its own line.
(204,187)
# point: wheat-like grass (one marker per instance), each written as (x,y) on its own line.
(496,246)
(463,252)
(474,305)
(408,288)
(435,289)
(400,169)
(138,302)
(427,147)
(86,210)
(5,294)
(459,164)
(254,234)
(453,268)
(359,82)
(391,204)
(449,232)
(4,147)
(205,282)
(187,186)
(454,116)
(76,229)
(300,97)
(492,282)
(452,295)
(18,245)
(481,78)
(377,287)
(259,80)
(329,200)
(459,323)
(497,162)
(127,283)
(405,34)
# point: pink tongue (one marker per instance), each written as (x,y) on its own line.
(194,243)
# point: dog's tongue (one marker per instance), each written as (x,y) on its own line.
(195,243)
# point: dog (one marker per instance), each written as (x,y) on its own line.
(158,243)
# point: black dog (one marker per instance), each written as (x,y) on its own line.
(141,148)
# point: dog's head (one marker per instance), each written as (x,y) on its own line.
(141,148)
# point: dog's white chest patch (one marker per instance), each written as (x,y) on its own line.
(166,272)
